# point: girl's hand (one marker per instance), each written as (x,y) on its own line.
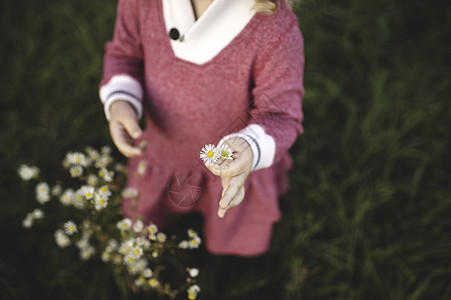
(233,174)
(124,129)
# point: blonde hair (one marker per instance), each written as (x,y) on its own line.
(266,7)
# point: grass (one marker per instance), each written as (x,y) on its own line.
(368,212)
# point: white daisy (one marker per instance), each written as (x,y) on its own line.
(138,267)
(129,260)
(106,175)
(192,233)
(28,221)
(193,291)
(141,168)
(147,273)
(124,224)
(87,253)
(56,190)
(225,152)
(153,283)
(152,228)
(183,245)
(194,243)
(136,251)
(129,192)
(100,201)
(105,150)
(92,153)
(112,245)
(37,214)
(161,237)
(67,197)
(83,242)
(105,191)
(209,154)
(193,272)
(106,256)
(27,172)
(78,199)
(77,158)
(139,281)
(92,179)
(61,239)
(42,193)
(76,171)
(70,228)
(88,192)
(138,226)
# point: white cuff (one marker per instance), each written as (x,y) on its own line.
(122,87)
(263,145)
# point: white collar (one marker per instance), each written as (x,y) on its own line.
(203,39)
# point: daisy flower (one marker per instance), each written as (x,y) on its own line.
(56,190)
(194,243)
(136,252)
(141,168)
(106,175)
(225,152)
(87,253)
(147,273)
(76,171)
(129,260)
(42,192)
(129,192)
(77,158)
(125,224)
(161,237)
(37,214)
(27,172)
(153,283)
(193,272)
(183,245)
(88,192)
(70,228)
(28,221)
(61,239)
(138,267)
(106,256)
(104,190)
(67,197)
(138,226)
(92,179)
(209,154)
(140,281)
(100,201)
(193,291)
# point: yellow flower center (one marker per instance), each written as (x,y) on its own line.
(210,154)
(224,154)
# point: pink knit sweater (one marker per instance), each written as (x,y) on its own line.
(255,79)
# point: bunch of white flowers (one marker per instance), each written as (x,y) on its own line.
(136,250)
(212,154)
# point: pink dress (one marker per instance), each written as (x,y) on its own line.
(255,79)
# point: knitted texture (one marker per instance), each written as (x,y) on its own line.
(255,79)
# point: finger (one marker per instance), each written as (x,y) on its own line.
(225,184)
(229,169)
(124,142)
(234,186)
(132,127)
(235,202)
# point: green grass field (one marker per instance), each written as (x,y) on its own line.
(368,215)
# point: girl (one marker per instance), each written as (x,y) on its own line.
(204,71)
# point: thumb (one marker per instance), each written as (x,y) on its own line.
(132,128)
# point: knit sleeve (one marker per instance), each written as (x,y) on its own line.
(277,95)
(123,61)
